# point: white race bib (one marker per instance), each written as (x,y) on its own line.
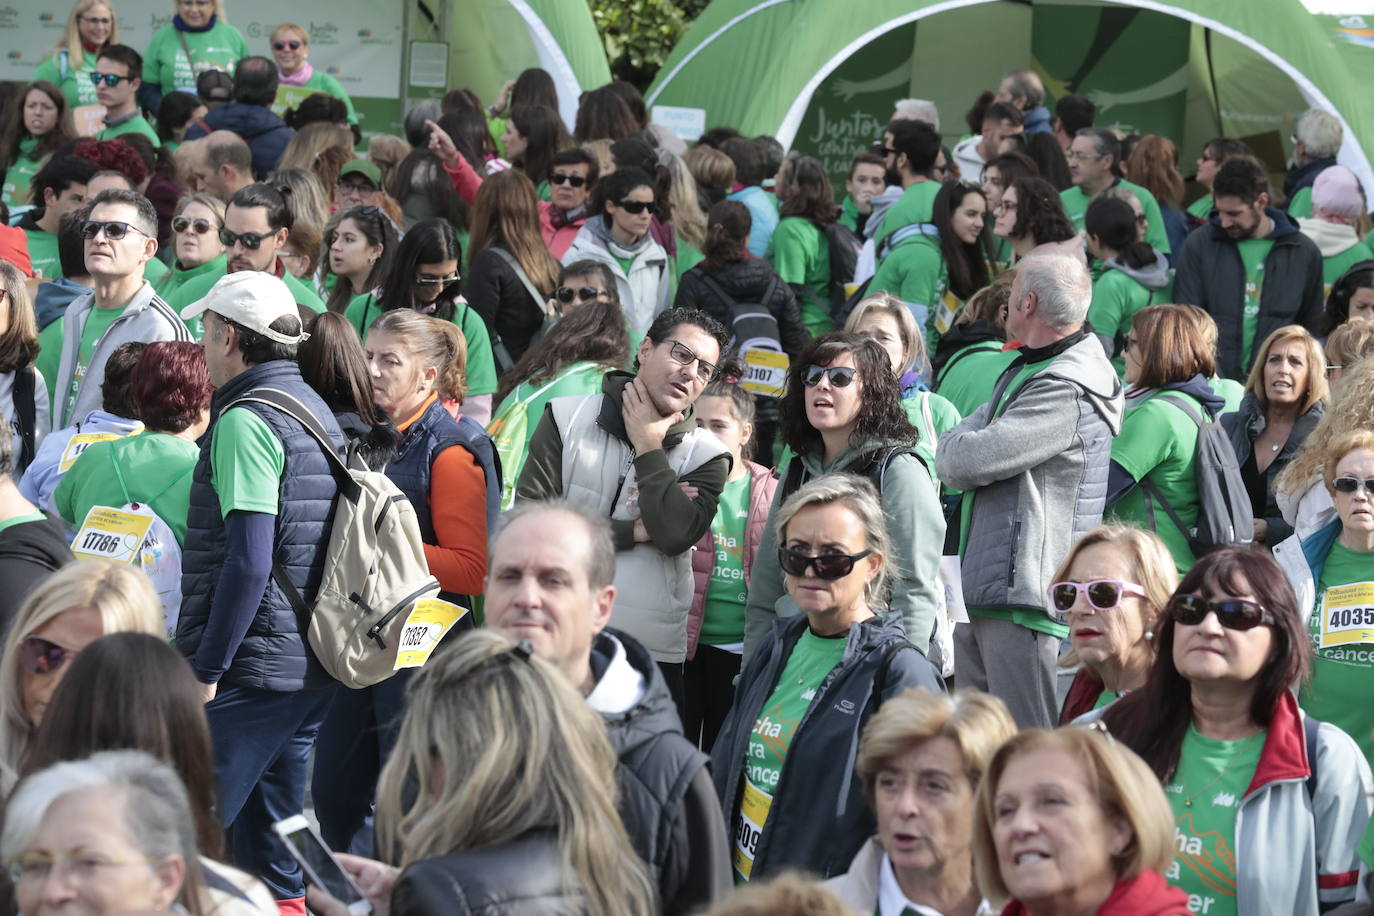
(111,534)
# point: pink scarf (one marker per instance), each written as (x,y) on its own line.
(299,78)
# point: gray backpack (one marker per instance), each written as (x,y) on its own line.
(1224,517)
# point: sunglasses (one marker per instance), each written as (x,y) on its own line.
(42,656)
(576,181)
(1232,613)
(283,45)
(181,224)
(436,281)
(114,229)
(1353,485)
(826,566)
(683,356)
(567,295)
(839,376)
(634,206)
(1102,594)
(109,79)
(250,240)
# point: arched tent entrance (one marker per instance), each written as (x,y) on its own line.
(821,75)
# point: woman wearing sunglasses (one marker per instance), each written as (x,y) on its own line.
(296,78)
(1217,722)
(1111,590)
(843,412)
(783,759)
(91,27)
(620,239)
(74,607)
(199,252)
(1332,572)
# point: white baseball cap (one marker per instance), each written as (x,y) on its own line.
(253,299)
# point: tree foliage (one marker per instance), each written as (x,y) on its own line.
(639,34)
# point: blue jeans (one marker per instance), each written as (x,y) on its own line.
(355,742)
(262,741)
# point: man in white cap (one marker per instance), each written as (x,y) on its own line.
(261,502)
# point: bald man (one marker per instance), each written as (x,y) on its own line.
(221,165)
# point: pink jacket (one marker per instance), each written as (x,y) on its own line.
(761,486)
(466,181)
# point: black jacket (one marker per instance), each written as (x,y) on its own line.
(524,877)
(29,553)
(745,281)
(375,445)
(819,817)
(1211,276)
(960,336)
(495,292)
(1304,176)
(265,133)
(667,800)
(1244,427)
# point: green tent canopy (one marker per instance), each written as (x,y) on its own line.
(822,75)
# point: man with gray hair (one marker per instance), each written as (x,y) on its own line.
(1033,463)
(1095,165)
(917,110)
(1317,140)
(550,580)
(1023,89)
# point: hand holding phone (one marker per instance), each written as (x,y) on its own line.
(320,867)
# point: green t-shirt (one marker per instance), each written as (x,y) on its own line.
(1300,207)
(76,85)
(43,254)
(135,125)
(197,288)
(1117,296)
(292,96)
(915,272)
(1031,618)
(1252,255)
(849,214)
(1205,794)
(688,256)
(966,381)
(727,593)
(1342,631)
(1337,264)
(625,263)
(154,270)
(1107,698)
(801,256)
(1159,442)
(1229,390)
(19,175)
(179,276)
(1076,206)
(98,321)
(811,660)
(362,310)
(153,468)
(166,64)
(1202,207)
(943,416)
(246,463)
(916,205)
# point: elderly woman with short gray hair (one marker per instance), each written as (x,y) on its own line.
(784,758)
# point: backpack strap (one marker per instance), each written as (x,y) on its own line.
(880,678)
(909,231)
(954,360)
(1310,727)
(297,411)
(499,350)
(1153,491)
(26,412)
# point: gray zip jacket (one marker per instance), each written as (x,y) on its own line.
(146,319)
(1037,472)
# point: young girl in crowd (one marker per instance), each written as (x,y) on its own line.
(361,242)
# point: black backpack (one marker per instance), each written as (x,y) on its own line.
(752,324)
(844,245)
(1224,517)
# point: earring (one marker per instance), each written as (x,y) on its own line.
(1149,634)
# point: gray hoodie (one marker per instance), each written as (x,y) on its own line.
(1152,276)
(146,318)
(1037,472)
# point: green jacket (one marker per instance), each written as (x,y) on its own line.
(179,276)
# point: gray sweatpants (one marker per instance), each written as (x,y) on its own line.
(1013,663)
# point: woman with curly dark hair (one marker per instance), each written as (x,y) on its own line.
(1031,216)
(843,412)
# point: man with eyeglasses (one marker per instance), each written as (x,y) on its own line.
(359,185)
(1095,165)
(1033,463)
(121,235)
(118,74)
(256,225)
(634,453)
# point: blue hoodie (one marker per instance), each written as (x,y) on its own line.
(265,133)
(52,298)
(1037,120)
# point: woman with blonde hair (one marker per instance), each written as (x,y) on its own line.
(459,820)
(196,223)
(1300,491)
(1349,343)
(76,606)
(92,26)
(1111,590)
(1285,398)
(320,148)
(921,758)
(1070,821)
(305,197)
(685,214)
(447,469)
(199,38)
(296,77)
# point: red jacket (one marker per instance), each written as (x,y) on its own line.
(762,484)
(1144,895)
(1082,696)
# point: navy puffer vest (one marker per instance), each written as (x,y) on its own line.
(274,655)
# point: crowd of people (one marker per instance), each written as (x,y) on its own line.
(992,535)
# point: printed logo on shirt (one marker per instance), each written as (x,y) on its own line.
(1209,858)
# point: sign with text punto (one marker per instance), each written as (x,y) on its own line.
(358,42)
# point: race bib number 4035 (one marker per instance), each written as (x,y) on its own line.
(1348,615)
